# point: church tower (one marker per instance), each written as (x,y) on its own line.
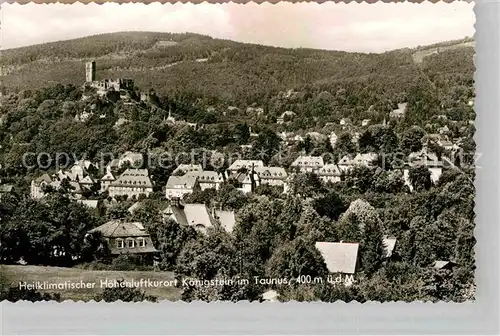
(90,71)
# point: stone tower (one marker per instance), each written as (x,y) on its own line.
(90,71)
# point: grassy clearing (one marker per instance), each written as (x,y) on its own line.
(11,275)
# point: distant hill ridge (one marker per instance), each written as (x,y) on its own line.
(192,62)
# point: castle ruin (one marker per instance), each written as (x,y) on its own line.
(121,85)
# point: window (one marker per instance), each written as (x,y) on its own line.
(119,243)
(141,242)
(130,243)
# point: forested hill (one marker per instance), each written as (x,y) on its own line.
(236,73)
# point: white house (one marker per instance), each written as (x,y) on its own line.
(132,182)
(399,112)
(246,164)
(245,181)
(188,168)
(345,163)
(38,184)
(333,139)
(310,164)
(348,162)
(210,180)
(317,136)
(132,158)
(330,173)
(275,176)
(106,181)
(365,159)
(428,159)
(179,186)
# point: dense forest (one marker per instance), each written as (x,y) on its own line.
(218,84)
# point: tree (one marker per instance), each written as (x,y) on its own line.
(388,182)
(306,185)
(412,139)
(123,293)
(48,232)
(298,257)
(366,142)
(95,247)
(360,178)
(329,205)
(371,247)
(231,198)
(169,238)
(361,223)
(344,145)
(420,178)
(14,294)
(266,145)
(242,134)
(205,257)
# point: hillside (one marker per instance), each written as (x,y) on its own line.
(231,71)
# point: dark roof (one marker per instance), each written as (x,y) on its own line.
(121,229)
(134,178)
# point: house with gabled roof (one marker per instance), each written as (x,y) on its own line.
(330,173)
(134,159)
(226,218)
(186,168)
(365,159)
(244,164)
(275,176)
(87,182)
(106,181)
(132,182)
(399,112)
(179,186)
(195,215)
(93,204)
(126,237)
(345,163)
(444,264)
(305,164)
(339,257)
(199,216)
(210,180)
(316,136)
(38,184)
(245,181)
(428,159)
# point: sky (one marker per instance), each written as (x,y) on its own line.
(350,27)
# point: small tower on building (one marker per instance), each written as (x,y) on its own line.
(90,70)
